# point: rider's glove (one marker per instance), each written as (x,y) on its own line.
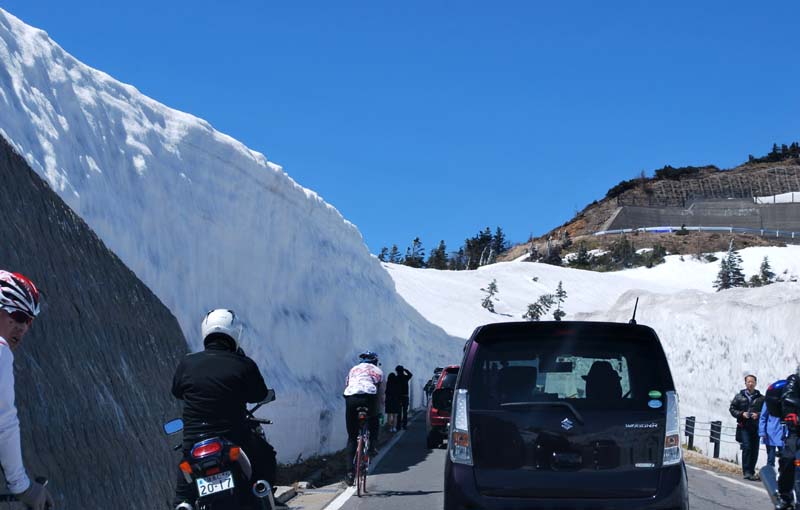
(791,419)
(37,497)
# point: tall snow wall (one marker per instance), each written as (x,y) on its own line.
(206,222)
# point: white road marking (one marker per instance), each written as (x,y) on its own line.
(758,488)
(342,498)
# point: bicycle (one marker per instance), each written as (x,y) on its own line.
(362,452)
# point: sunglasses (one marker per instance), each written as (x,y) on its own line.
(21,317)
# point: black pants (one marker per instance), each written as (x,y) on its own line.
(786,468)
(262,460)
(402,419)
(749,446)
(352,403)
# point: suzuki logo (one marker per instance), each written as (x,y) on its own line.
(566,424)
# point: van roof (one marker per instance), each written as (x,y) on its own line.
(509,330)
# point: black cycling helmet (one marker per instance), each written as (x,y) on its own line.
(368,357)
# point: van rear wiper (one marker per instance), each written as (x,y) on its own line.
(546,404)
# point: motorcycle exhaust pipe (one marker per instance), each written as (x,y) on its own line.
(263,490)
(184,506)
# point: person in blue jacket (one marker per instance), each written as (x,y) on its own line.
(771,431)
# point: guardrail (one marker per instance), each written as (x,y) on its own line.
(734,230)
(715,431)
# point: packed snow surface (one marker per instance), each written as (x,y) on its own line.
(711,338)
(206,222)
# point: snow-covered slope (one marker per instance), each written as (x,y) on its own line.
(206,222)
(710,337)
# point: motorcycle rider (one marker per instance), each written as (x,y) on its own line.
(215,385)
(364,387)
(19,305)
(789,462)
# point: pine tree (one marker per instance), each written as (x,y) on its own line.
(582,260)
(415,255)
(560,297)
(623,254)
(490,290)
(765,273)
(438,257)
(383,254)
(458,261)
(737,278)
(394,255)
(730,272)
(499,244)
(538,309)
(723,280)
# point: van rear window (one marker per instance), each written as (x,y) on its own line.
(449,380)
(584,371)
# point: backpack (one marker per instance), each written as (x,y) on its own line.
(773,398)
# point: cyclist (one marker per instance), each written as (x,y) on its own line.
(364,387)
(19,305)
(215,385)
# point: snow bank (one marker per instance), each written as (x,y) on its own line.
(206,222)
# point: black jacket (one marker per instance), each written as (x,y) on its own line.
(742,403)
(790,399)
(215,386)
(402,382)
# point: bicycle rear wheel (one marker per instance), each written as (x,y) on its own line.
(364,465)
(358,460)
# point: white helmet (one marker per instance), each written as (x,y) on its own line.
(222,321)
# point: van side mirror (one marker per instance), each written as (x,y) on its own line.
(442,398)
(269,398)
(174,426)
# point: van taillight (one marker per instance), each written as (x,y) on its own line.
(460,444)
(206,449)
(672,435)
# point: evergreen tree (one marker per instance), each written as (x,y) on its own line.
(623,254)
(438,257)
(490,290)
(394,255)
(477,249)
(730,272)
(499,243)
(723,280)
(765,273)
(737,278)
(538,309)
(415,255)
(582,260)
(458,261)
(560,296)
(383,254)
(754,281)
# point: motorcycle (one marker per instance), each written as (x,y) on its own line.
(221,470)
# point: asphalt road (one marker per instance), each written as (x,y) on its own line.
(410,476)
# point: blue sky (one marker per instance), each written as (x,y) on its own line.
(437,119)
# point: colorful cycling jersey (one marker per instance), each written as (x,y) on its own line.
(10,447)
(363,378)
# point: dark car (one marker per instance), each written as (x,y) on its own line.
(565,415)
(431,384)
(437,417)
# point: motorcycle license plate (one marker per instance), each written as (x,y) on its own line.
(215,483)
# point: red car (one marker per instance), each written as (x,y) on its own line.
(437,419)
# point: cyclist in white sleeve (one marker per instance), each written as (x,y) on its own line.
(364,387)
(19,304)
